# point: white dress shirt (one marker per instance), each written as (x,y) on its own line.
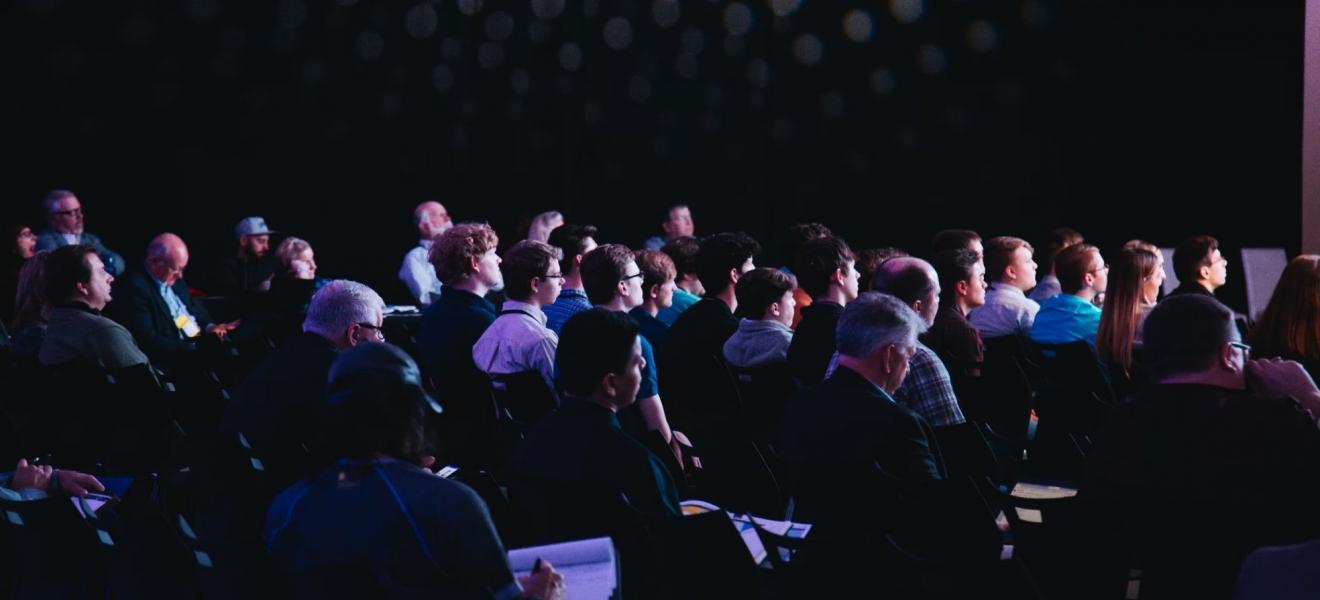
(1007,311)
(418,274)
(517,341)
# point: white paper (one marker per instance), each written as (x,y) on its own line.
(589,567)
(1036,491)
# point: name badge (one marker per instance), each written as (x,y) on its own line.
(188,325)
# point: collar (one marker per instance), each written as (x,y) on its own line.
(1005,288)
(855,379)
(582,406)
(572,292)
(79,306)
(160,284)
(425,243)
(524,308)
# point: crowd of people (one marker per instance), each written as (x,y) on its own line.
(627,353)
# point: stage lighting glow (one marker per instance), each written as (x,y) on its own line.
(907,11)
(618,33)
(808,49)
(370,45)
(665,12)
(570,56)
(982,37)
(737,18)
(858,26)
(421,21)
(784,8)
(931,59)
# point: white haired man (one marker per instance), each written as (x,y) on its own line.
(64,217)
(417,272)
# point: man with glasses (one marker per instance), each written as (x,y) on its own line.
(64,215)
(1220,455)
(1200,267)
(1072,315)
(519,341)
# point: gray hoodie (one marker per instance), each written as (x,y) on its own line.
(758,343)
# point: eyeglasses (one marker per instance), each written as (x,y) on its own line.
(633,276)
(1246,349)
(76,212)
(559,276)
(1104,267)
(376,328)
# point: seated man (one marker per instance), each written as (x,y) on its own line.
(1073,315)
(1011,273)
(574,241)
(78,287)
(417,273)
(1059,238)
(826,269)
(927,390)
(765,298)
(658,273)
(64,216)
(797,235)
(687,286)
(957,239)
(951,336)
(836,432)
(377,518)
(1200,267)
(249,272)
(581,446)
(154,304)
(518,340)
(1220,455)
(676,222)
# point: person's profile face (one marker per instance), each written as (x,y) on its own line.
(1025,267)
(632,285)
(628,381)
(976,285)
(899,356)
(169,268)
(25,243)
(98,288)
(1218,268)
(489,270)
(850,280)
(67,216)
(665,294)
(1099,272)
(787,308)
(680,223)
(1150,285)
(256,246)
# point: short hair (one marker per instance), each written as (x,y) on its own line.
(952,239)
(761,287)
(603,269)
(1191,255)
(1071,266)
(721,253)
(339,305)
(289,249)
(375,404)
(1135,244)
(870,259)
(656,267)
(1290,326)
(952,266)
(817,260)
(1055,241)
(1185,334)
(453,251)
(30,294)
(571,239)
(525,260)
(873,320)
(999,254)
(52,200)
(801,233)
(594,343)
(909,283)
(66,267)
(683,250)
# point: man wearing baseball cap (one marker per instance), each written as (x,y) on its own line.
(249,271)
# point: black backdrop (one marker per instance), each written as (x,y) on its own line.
(885,120)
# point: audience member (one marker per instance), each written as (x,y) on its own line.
(574,241)
(687,285)
(417,273)
(154,304)
(1200,267)
(869,260)
(962,288)
(581,448)
(957,239)
(927,390)
(29,325)
(250,270)
(543,224)
(35,482)
(766,302)
(799,234)
(1011,272)
(675,222)
(1072,315)
(1290,326)
(378,516)
(292,288)
(826,270)
(1279,572)
(1133,283)
(64,220)
(23,248)
(658,275)
(1216,458)
(78,288)
(518,340)
(1055,241)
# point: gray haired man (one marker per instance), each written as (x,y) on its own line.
(64,217)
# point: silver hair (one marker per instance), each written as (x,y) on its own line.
(541,225)
(873,320)
(339,305)
(52,200)
(289,249)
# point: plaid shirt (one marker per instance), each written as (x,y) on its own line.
(928,391)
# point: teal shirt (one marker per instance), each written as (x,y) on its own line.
(683,300)
(1066,318)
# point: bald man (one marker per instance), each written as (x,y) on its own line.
(154,304)
(417,272)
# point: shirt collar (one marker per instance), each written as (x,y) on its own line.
(160,284)
(856,378)
(1005,288)
(572,293)
(523,307)
(425,243)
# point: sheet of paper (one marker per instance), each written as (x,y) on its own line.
(1036,491)
(589,567)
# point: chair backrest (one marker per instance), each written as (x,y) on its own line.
(764,391)
(525,396)
(1261,268)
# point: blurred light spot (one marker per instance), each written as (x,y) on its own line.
(490,55)
(691,41)
(442,78)
(570,56)
(758,73)
(521,81)
(931,60)
(499,26)
(686,66)
(547,9)
(639,89)
(907,11)
(451,49)
(539,32)
(1035,14)
(882,81)
(618,33)
(783,8)
(137,31)
(202,11)
(982,37)
(421,21)
(666,12)
(470,7)
(292,13)
(737,18)
(369,45)
(831,105)
(313,71)
(807,49)
(858,26)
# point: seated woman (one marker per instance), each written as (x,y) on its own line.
(292,288)
(1290,326)
(22,248)
(1135,277)
(29,325)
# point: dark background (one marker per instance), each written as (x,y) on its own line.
(333,119)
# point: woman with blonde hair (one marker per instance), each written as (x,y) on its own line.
(1290,326)
(543,224)
(1135,276)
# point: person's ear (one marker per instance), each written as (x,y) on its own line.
(534,284)
(607,383)
(1204,272)
(654,292)
(734,275)
(962,288)
(1226,357)
(775,311)
(577,261)
(473,264)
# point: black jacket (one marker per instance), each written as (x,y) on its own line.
(139,306)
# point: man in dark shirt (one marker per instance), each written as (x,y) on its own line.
(250,270)
(1221,455)
(575,241)
(1200,266)
(825,268)
(952,336)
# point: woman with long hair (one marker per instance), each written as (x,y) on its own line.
(1135,276)
(1290,326)
(23,245)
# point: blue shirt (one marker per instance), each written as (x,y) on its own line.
(569,303)
(1066,318)
(652,329)
(683,300)
(650,376)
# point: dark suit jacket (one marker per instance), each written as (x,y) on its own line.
(813,342)
(139,306)
(693,381)
(114,263)
(280,402)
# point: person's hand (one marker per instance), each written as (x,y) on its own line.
(546,584)
(30,477)
(78,484)
(1283,379)
(221,330)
